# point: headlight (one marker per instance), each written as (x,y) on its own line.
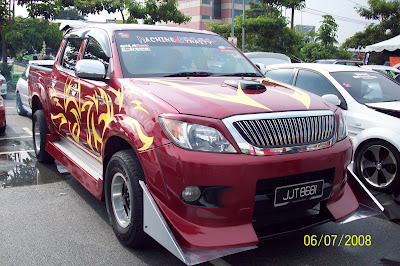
(342,132)
(195,137)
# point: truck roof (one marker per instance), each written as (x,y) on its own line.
(115,27)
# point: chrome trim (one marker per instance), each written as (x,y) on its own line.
(283,131)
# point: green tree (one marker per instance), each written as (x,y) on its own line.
(327,31)
(151,11)
(263,33)
(388,15)
(28,35)
(70,13)
(324,48)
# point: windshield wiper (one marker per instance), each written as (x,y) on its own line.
(249,74)
(190,74)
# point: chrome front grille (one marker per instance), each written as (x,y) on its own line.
(278,132)
(283,132)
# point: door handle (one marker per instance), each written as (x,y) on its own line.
(74,89)
(98,97)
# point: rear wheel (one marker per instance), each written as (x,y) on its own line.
(20,108)
(40,130)
(2,129)
(377,164)
(124,198)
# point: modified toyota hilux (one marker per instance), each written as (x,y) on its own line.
(186,142)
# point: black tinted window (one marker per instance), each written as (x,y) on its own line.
(71,53)
(283,75)
(315,83)
(94,51)
(369,87)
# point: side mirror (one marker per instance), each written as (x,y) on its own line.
(332,98)
(90,69)
(261,66)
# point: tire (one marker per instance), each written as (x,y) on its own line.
(39,132)
(20,109)
(2,129)
(377,165)
(122,189)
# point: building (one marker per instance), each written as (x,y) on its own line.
(202,11)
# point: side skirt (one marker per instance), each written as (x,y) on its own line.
(155,226)
(84,167)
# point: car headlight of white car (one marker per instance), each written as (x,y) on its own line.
(196,137)
(342,130)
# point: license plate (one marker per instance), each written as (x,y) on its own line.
(298,192)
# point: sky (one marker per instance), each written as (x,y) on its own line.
(343,11)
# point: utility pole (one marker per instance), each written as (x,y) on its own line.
(243,44)
(233,20)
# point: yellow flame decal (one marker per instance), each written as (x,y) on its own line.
(298,94)
(136,126)
(74,106)
(139,106)
(240,97)
(119,94)
(63,119)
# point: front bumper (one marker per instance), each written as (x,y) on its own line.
(232,225)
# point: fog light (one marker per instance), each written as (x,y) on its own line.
(191,193)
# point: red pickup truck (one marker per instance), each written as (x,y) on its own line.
(185,140)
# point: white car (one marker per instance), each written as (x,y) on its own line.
(262,59)
(371,104)
(3,86)
(21,90)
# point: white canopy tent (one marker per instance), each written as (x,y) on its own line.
(389,45)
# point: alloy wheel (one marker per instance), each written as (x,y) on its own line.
(121,199)
(378,166)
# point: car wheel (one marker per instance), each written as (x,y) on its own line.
(20,108)
(2,129)
(124,198)
(377,163)
(39,131)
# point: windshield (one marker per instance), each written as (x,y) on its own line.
(168,53)
(269,61)
(369,87)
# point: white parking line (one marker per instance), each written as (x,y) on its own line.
(11,152)
(27,130)
(20,137)
(219,262)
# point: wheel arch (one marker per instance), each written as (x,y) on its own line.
(371,134)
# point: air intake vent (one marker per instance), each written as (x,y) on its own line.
(246,85)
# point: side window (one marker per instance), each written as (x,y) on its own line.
(94,51)
(24,75)
(283,75)
(71,52)
(317,84)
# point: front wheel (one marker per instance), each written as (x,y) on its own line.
(39,131)
(377,164)
(124,198)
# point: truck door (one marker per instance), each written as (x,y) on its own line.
(65,103)
(97,100)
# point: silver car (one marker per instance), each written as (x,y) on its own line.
(21,91)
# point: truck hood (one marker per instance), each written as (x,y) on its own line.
(213,97)
(394,106)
